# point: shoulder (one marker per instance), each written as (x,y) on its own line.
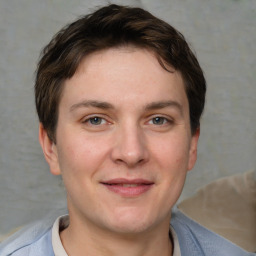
(196,240)
(32,240)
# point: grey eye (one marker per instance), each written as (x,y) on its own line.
(158,120)
(95,120)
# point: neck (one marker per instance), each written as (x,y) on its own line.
(91,240)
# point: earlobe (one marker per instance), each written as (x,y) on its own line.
(193,149)
(49,150)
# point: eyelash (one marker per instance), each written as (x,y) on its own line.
(91,118)
(163,120)
(103,121)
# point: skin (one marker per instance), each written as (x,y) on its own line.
(121,116)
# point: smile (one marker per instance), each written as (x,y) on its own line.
(128,188)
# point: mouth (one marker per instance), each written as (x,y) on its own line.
(128,188)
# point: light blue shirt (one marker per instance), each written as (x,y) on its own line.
(194,240)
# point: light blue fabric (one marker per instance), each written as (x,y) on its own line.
(194,240)
(32,240)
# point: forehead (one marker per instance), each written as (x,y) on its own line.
(132,73)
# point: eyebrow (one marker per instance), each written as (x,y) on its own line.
(165,104)
(92,103)
(148,107)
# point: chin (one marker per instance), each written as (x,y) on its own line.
(132,222)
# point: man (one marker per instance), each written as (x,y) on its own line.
(119,96)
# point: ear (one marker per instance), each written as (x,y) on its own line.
(50,151)
(193,149)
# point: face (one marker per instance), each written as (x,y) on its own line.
(124,144)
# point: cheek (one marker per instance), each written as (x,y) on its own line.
(81,156)
(172,153)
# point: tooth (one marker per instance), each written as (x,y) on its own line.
(130,185)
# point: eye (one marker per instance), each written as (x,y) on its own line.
(158,120)
(95,120)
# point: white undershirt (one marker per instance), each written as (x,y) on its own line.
(62,222)
(56,242)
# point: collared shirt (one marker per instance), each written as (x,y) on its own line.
(194,239)
(62,222)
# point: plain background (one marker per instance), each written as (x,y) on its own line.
(223,35)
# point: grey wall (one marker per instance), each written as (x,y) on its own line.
(223,34)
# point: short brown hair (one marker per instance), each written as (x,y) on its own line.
(114,26)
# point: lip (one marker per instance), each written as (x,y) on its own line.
(128,187)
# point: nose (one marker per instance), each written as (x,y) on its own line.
(130,147)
